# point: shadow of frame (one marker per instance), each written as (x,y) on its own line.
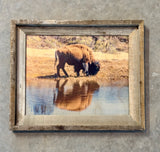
(146,77)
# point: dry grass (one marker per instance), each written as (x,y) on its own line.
(106,56)
(114,67)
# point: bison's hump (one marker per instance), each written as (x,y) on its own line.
(78,51)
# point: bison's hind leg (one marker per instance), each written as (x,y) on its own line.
(61,66)
(58,68)
(65,72)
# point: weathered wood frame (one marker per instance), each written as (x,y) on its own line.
(136,118)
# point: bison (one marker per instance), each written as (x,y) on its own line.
(78,55)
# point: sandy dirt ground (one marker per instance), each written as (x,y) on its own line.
(113,68)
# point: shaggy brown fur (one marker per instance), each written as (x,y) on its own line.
(77,55)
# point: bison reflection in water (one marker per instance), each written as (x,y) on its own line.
(78,55)
(76,99)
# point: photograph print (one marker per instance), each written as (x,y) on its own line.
(77,75)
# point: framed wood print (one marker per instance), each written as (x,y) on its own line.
(77,75)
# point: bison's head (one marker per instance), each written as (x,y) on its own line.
(94,67)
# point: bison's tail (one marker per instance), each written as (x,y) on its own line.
(55,58)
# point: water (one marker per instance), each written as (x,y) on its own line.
(75,98)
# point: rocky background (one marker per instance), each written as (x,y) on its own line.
(109,44)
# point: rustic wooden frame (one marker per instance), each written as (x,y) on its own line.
(136,118)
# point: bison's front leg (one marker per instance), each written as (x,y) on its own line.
(86,67)
(77,73)
(77,70)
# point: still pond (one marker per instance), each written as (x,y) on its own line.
(76,98)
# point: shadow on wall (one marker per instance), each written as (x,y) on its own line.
(146,68)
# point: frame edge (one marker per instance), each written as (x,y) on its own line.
(142,85)
(13,65)
(23,22)
(13,57)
